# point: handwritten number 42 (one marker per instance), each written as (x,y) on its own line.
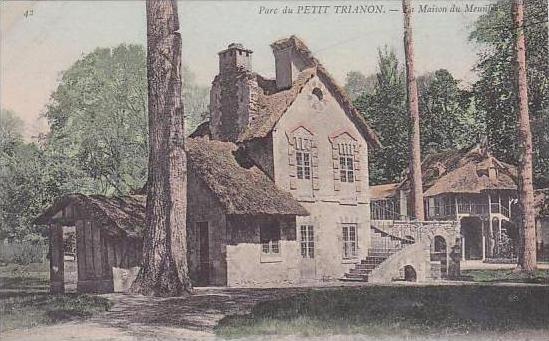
(28,13)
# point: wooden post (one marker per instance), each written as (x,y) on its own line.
(483,239)
(80,250)
(57,258)
(463,248)
(88,241)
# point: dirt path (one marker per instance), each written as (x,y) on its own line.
(146,318)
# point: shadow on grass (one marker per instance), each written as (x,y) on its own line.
(396,310)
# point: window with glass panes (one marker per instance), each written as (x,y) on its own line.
(307,241)
(349,240)
(346,165)
(303,157)
(270,238)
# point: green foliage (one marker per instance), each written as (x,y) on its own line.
(98,119)
(495,92)
(98,139)
(356,84)
(385,109)
(448,118)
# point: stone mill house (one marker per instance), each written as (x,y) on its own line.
(278,188)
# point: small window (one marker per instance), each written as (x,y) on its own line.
(346,169)
(318,93)
(270,239)
(307,241)
(349,241)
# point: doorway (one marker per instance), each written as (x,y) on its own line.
(204,253)
(471,230)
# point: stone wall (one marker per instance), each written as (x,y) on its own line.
(415,255)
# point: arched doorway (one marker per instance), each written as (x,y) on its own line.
(410,274)
(439,254)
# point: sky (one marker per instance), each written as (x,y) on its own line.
(35,49)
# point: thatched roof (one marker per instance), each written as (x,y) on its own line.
(383,191)
(273,105)
(541,202)
(119,215)
(240,190)
(465,171)
(202,130)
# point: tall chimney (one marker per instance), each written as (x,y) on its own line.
(235,57)
(283,67)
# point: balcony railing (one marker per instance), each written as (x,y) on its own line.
(443,211)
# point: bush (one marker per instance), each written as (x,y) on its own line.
(23,253)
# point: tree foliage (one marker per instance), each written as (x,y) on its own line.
(98,138)
(495,91)
(98,119)
(448,119)
(28,181)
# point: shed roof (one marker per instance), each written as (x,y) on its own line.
(272,105)
(240,190)
(383,191)
(119,215)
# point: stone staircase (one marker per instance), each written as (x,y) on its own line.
(383,245)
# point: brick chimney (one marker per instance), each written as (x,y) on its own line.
(235,57)
(232,94)
(283,67)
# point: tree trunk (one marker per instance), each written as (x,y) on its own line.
(164,269)
(527,247)
(416,182)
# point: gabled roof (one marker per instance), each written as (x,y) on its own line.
(465,171)
(239,190)
(274,105)
(119,215)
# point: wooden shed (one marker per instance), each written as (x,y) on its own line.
(106,234)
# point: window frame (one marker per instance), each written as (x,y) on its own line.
(346,168)
(307,241)
(269,237)
(303,164)
(350,240)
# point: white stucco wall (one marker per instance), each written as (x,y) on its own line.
(328,207)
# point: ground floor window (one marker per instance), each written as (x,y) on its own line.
(270,238)
(307,241)
(349,240)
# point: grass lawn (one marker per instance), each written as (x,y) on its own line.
(487,276)
(25,301)
(437,311)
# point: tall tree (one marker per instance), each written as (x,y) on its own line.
(98,119)
(527,249)
(495,91)
(416,190)
(164,269)
(356,84)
